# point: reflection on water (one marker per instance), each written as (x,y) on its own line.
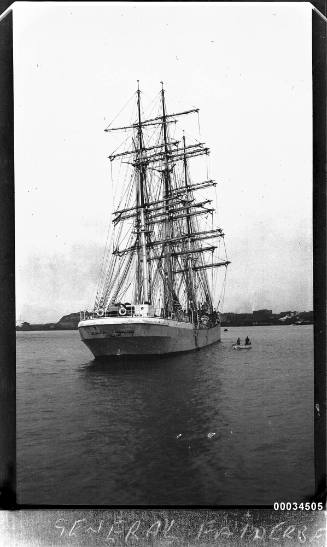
(214,426)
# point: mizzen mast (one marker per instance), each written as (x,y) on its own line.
(191,301)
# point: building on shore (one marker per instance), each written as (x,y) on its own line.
(262,316)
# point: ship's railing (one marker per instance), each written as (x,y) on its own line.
(100,314)
(130,312)
(201,318)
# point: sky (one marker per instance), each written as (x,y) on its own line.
(247,66)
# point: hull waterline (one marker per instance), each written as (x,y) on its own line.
(146,336)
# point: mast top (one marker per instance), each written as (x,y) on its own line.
(138,85)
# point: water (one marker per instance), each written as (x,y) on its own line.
(137,432)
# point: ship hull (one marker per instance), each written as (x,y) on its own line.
(143,336)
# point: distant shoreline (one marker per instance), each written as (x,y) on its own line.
(264,318)
(39,328)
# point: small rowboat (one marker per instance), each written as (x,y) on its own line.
(242,346)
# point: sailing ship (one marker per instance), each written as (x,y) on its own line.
(155,294)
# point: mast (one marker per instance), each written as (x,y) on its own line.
(141,201)
(171,244)
(168,224)
(190,284)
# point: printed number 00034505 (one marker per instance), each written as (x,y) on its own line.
(293,506)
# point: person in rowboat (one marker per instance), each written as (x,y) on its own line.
(247,341)
(238,341)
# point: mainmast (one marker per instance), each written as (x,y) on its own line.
(168,286)
(141,202)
